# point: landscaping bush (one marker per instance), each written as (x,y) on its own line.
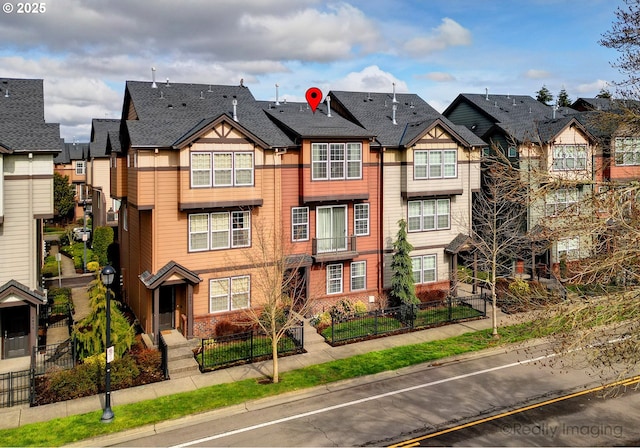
(50,268)
(102,239)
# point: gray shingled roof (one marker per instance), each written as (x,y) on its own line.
(413,117)
(72,151)
(22,125)
(101,128)
(168,112)
(300,121)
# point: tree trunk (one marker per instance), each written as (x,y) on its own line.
(274,353)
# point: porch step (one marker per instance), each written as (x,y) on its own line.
(179,368)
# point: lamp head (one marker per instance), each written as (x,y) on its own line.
(107,275)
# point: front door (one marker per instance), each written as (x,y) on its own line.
(167,307)
(15,328)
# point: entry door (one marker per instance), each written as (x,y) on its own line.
(15,328)
(167,307)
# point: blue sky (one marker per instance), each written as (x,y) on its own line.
(85,49)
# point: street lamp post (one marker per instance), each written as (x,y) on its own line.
(107,275)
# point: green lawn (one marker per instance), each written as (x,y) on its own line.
(221,354)
(66,430)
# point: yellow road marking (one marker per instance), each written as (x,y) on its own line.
(416,441)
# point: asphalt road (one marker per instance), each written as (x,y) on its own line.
(387,409)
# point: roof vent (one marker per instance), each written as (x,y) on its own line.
(394,92)
(514,101)
(486,94)
(394,108)
(210,91)
(6,93)
(277,102)
(328,106)
(167,84)
(201,95)
(369,96)
(411,106)
(161,95)
(153,78)
(234,102)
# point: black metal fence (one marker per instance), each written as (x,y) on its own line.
(164,363)
(245,347)
(404,318)
(62,355)
(16,388)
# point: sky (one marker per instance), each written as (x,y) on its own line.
(85,50)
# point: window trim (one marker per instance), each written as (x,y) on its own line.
(422,258)
(231,231)
(230,294)
(234,169)
(356,219)
(335,279)
(442,164)
(295,225)
(620,154)
(363,276)
(323,151)
(208,170)
(83,167)
(422,215)
(559,163)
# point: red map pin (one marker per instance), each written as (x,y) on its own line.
(314,97)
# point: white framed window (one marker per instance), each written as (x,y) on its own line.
(300,224)
(569,248)
(219,230)
(424,269)
(569,157)
(332,161)
(430,214)
(627,150)
(361,219)
(80,167)
(200,169)
(435,164)
(334,278)
(513,151)
(358,275)
(559,200)
(228,294)
(222,169)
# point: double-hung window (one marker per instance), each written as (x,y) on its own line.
(430,214)
(569,157)
(333,161)
(228,294)
(627,150)
(80,167)
(435,164)
(221,169)
(424,268)
(219,230)
(361,219)
(300,224)
(334,278)
(358,275)
(560,200)
(569,248)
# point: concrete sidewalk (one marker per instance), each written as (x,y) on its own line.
(317,352)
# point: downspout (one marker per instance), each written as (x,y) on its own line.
(381,223)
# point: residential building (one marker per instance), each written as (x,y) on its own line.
(28,146)
(105,137)
(72,162)
(429,167)
(555,154)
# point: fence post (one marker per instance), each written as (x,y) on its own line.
(251,346)
(332,328)
(375,322)
(32,387)
(450,306)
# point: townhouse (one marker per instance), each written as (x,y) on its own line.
(105,136)
(72,162)
(28,146)
(429,169)
(555,154)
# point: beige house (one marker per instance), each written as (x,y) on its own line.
(105,137)
(27,148)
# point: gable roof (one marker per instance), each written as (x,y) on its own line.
(152,281)
(301,122)
(168,113)
(100,130)
(414,117)
(22,125)
(15,288)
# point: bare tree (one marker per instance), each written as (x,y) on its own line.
(278,285)
(499,226)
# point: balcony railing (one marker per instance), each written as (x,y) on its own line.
(331,249)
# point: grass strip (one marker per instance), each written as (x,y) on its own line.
(70,429)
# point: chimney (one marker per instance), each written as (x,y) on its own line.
(328,106)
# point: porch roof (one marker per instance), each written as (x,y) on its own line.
(152,281)
(17,289)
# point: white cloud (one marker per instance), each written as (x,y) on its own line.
(437,77)
(595,86)
(369,79)
(448,34)
(537,74)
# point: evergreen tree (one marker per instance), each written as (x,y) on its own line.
(544,95)
(64,196)
(604,93)
(563,98)
(402,283)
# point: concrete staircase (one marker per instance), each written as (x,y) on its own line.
(181,362)
(313,342)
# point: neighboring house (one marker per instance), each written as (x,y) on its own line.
(105,137)
(27,147)
(72,162)
(429,169)
(555,150)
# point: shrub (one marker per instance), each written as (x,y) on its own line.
(93,266)
(50,268)
(519,288)
(74,383)
(102,239)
